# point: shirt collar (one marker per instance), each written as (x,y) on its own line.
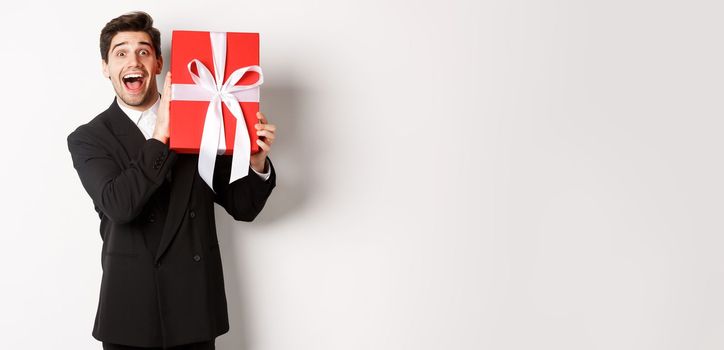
(136,115)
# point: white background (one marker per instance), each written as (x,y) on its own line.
(452,175)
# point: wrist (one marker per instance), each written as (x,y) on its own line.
(163,139)
(259,167)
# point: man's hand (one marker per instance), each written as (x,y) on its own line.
(160,132)
(265,132)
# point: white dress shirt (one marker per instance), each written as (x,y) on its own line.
(146,121)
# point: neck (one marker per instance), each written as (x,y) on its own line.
(142,107)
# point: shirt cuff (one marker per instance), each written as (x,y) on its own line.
(264,176)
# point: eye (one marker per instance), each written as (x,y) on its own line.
(120,54)
(144,52)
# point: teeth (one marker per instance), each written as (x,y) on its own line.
(132,75)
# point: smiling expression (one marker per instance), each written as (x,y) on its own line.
(132,68)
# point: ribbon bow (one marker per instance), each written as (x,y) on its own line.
(213,88)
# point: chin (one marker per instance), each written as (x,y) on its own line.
(135,99)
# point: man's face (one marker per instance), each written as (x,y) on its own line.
(132,67)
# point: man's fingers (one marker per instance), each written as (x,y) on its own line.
(262,118)
(268,137)
(167,86)
(263,145)
(266,133)
(270,127)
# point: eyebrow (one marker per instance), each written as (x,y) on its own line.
(126,42)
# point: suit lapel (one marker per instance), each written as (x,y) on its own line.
(128,133)
(184,169)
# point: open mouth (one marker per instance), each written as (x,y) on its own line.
(133,82)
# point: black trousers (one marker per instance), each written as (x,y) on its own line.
(204,345)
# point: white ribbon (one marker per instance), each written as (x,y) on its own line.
(214,89)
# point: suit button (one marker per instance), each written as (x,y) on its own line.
(197,257)
(151,219)
(158,264)
(192,214)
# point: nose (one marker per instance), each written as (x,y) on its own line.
(133,60)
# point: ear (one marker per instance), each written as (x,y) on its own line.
(104,65)
(159,64)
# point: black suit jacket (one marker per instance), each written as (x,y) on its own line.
(163,282)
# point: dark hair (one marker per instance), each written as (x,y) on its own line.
(137,21)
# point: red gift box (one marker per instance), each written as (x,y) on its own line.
(186,122)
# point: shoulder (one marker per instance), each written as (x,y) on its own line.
(94,131)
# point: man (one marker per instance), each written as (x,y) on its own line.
(162,284)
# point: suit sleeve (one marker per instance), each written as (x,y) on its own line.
(119,193)
(244,198)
